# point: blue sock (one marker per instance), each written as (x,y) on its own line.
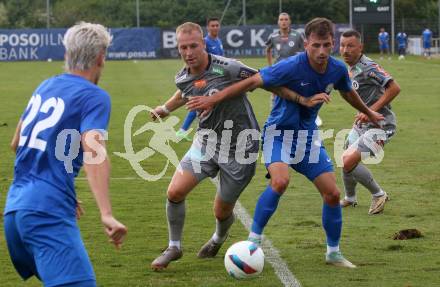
(188,120)
(266,206)
(332,223)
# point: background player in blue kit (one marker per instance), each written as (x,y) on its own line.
(67,115)
(402,44)
(213,43)
(426,38)
(214,46)
(291,130)
(384,43)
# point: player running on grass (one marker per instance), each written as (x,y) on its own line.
(40,226)
(377,89)
(213,151)
(291,130)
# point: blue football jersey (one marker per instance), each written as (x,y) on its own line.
(402,39)
(427,35)
(214,46)
(296,74)
(60,109)
(384,37)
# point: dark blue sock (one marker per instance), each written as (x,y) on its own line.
(188,120)
(332,223)
(266,206)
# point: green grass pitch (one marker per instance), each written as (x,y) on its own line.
(409,173)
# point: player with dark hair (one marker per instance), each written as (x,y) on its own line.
(285,42)
(290,129)
(426,41)
(377,89)
(402,44)
(384,43)
(213,152)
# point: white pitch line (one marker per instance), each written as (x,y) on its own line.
(272,255)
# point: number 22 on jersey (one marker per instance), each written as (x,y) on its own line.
(35,106)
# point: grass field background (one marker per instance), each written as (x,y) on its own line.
(409,173)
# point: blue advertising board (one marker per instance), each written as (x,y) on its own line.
(31,44)
(45,44)
(136,43)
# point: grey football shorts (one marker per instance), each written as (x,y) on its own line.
(368,139)
(232,177)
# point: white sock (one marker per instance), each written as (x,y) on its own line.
(255,236)
(174,243)
(331,249)
(350,198)
(380,193)
(218,239)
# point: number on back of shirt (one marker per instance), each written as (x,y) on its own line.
(53,105)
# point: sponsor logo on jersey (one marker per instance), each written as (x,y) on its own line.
(181,77)
(212,92)
(291,44)
(200,84)
(278,46)
(355,71)
(376,76)
(245,73)
(218,70)
(381,70)
(355,84)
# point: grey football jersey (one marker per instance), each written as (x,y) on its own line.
(221,72)
(369,80)
(284,47)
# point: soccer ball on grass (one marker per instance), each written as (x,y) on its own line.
(244,259)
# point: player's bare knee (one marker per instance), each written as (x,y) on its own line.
(348,162)
(223,211)
(279,184)
(332,197)
(175,195)
(222,214)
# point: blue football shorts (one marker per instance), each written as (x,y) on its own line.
(49,247)
(384,47)
(426,45)
(310,162)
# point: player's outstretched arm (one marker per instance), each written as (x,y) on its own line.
(175,102)
(236,89)
(97,168)
(355,101)
(293,96)
(16,137)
